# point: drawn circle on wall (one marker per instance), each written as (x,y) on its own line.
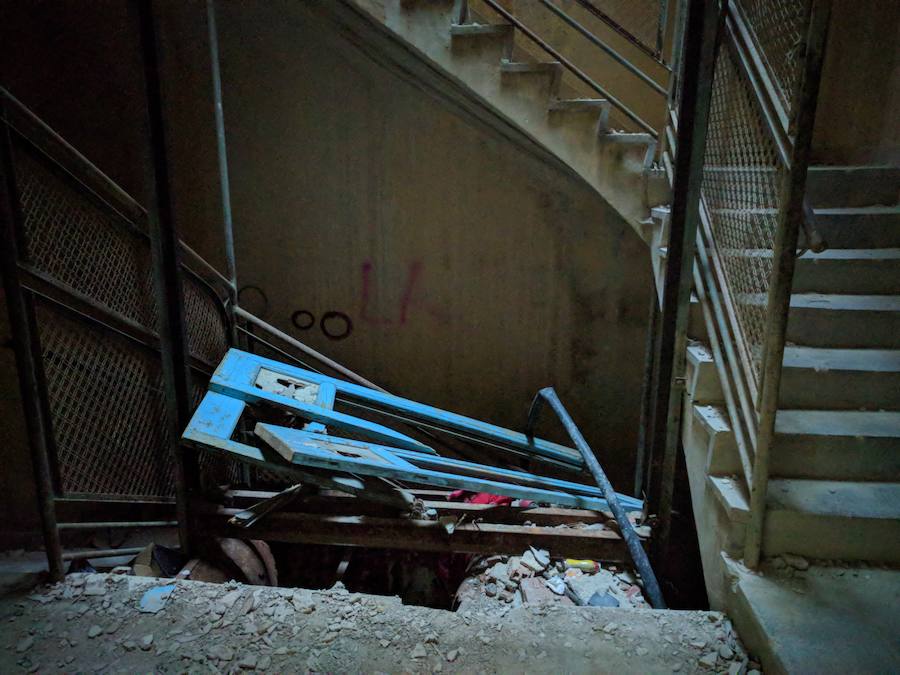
(341,324)
(254,300)
(303,319)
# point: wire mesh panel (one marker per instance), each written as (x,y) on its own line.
(73,238)
(779,27)
(206,328)
(740,192)
(107,408)
(105,391)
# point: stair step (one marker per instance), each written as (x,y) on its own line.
(859,227)
(701,379)
(587,105)
(826,620)
(833,519)
(844,186)
(816,377)
(831,320)
(526,67)
(834,444)
(722,457)
(480,29)
(731,495)
(872,271)
(630,138)
(551,70)
(696,324)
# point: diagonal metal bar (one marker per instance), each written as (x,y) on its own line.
(632,541)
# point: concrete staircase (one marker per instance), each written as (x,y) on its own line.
(482,54)
(834,489)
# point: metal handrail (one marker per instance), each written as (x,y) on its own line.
(597,42)
(621,30)
(572,68)
(779,299)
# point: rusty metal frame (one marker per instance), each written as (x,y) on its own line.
(25,281)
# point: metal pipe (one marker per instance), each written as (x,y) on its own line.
(167,277)
(25,345)
(118,524)
(199,261)
(784,254)
(534,37)
(222,153)
(703,30)
(309,351)
(626,530)
(593,39)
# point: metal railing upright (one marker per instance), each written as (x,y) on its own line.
(751,210)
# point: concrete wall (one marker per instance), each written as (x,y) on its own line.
(858,119)
(472,273)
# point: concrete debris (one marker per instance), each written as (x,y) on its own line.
(795,561)
(709,659)
(537,578)
(337,631)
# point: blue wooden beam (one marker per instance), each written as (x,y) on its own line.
(241,384)
(237,374)
(341,454)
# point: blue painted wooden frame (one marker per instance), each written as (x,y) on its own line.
(238,371)
(213,424)
(328,452)
(217,416)
(239,381)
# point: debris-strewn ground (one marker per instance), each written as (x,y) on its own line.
(92,623)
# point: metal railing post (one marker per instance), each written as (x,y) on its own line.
(703,28)
(167,277)
(27,351)
(784,255)
(222,157)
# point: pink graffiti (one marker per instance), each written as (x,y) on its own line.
(409,298)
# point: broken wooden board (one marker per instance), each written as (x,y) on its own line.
(238,375)
(419,535)
(341,454)
(213,424)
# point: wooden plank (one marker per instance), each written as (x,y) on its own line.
(420,535)
(340,504)
(195,436)
(314,450)
(458,466)
(217,415)
(238,370)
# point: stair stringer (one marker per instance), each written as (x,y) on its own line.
(613,164)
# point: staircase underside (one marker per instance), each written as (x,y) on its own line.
(479,58)
(833,496)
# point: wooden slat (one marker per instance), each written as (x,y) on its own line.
(336,503)
(237,371)
(419,535)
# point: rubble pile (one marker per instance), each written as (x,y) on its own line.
(120,623)
(537,579)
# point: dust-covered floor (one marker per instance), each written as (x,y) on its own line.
(93,623)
